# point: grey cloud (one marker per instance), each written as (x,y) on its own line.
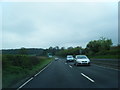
(61,24)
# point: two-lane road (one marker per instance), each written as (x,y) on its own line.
(60,74)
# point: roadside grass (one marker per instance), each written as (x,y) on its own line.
(41,65)
(14,74)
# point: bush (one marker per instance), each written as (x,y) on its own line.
(18,67)
(103,52)
(21,61)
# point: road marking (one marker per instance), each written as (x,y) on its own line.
(65,63)
(25,83)
(87,77)
(106,67)
(42,70)
(70,66)
(32,77)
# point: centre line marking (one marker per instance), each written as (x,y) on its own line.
(87,77)
(70,66)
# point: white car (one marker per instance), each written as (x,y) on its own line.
(50,56)
(69,58)
(81,60)
(56,58)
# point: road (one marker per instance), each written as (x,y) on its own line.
(60,74)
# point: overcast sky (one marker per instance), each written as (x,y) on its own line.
(41,25)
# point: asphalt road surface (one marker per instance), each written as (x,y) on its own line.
(60,74)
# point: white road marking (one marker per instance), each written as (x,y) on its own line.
(65,63)
(25,83)
(87,77)
(42,70)
(70,66)
(32,77)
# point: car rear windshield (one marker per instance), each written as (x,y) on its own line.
(81,57)
(69,56)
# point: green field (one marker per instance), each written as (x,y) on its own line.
(13,74)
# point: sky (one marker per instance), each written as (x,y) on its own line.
(63,24)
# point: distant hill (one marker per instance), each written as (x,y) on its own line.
(29,51)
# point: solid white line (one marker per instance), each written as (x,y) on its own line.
(25,83)
(32,77)
(42,70)
(87,77)
(70,66)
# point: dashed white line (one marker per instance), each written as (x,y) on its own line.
(65,63)
(70,66)
(87,77)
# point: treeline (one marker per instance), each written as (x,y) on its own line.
(100,47)
(26,51)
(69,51)
(31,51)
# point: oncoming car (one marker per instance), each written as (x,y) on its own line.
(81,60)
(69,58)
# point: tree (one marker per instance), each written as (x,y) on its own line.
(57,48)
(70,48)
(23,51)
(96,46)
(69,51)
(62,48)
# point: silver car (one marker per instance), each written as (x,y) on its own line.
(69,58)
(81,60)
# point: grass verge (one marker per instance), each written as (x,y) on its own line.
(12,78)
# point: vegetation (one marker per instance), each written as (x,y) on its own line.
(30,60)
(27,51)
(69,51)
(98,46)
(101,48)
(17,67)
